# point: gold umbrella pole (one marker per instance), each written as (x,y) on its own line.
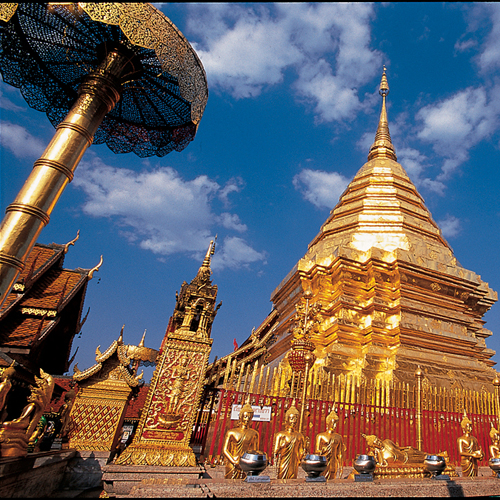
(30,211)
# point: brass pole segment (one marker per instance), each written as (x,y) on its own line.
(303,402)
(419,375)
(496,385)
(30,211)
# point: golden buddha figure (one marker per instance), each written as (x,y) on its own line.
(331,445)
(289,446)
(64,413)
(239,440)
(15,435)
(5,386)
(469,450)
(388,453)
(495,443)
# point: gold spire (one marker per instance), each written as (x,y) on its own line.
(141,343)
(204,272)
(210,252)
(382,146)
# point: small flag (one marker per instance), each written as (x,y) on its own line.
(235,344)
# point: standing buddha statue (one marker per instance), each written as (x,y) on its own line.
(331,445)
(239,440)
(469,450)
(289,446)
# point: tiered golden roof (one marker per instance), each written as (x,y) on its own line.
(392,293)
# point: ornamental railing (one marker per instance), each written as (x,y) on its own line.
(387,410)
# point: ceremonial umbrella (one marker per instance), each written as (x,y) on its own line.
(114,73)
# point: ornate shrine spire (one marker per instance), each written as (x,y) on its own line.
(204,272)
(382,146)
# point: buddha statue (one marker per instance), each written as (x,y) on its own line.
(388,453)
(5,386)
(289,446)
(239,440)
(64,414)
(495,443)
(16,434)
(331,445)
(469,450)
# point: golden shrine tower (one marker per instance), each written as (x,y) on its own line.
(168,416)
(388,291)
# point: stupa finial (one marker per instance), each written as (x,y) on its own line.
(382,145)
(210,252)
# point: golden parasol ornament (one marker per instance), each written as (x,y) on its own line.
(114,73)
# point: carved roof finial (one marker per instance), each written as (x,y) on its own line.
(72,242)
(95,269)
(120,338)
(203,275)
(141,343)
(382,146)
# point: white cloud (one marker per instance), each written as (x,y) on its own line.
(236,253)
(7,103)
(322,189)
(234,185)
(19,141)
(489,58)
(246,48)
(450,226)
(456,124)
(464,45)
(232,221)
(159,210)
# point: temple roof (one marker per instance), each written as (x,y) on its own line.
(43,290)
(45,304)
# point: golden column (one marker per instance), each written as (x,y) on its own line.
(419,375)
(30,211)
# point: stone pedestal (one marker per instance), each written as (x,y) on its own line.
(176,487)
(35,476)
(121,480)
(84,470)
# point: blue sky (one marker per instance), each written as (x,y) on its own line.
(292,111)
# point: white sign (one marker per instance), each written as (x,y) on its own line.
(259,414)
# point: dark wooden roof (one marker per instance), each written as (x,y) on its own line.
(42,312)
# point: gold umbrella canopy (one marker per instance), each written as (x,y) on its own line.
(48,49)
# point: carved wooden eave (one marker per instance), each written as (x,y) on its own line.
(125,355)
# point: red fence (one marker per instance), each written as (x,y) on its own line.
(440,429)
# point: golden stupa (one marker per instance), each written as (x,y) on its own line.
(388,292)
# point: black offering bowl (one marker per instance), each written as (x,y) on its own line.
(435,465)
(495,465)
(364,465)
(253,463)
(314,465)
